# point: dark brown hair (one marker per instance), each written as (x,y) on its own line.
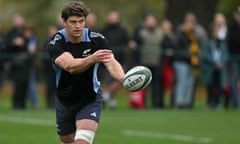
(74,8)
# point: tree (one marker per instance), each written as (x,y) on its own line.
(204,10)
(228,7)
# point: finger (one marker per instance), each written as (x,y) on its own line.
(106,51)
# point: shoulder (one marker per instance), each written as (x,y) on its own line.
(56,38)
(99,39)
(96,35)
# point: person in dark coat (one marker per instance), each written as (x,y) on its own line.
(118,39)
(16,49)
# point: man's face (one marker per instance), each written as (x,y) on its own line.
(113,17)
(74,26)
(150,22)
(18,20)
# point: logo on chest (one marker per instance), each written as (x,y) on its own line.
(86,53)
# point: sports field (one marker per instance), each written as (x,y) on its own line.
(126,126)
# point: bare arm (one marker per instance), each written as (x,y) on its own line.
(77,65)
(115,69)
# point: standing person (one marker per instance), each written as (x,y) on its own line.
(201,35)
(118,40)
(76,53)
(31,43)
(168,45)
(221,22)
(234,52)
(16,48)
(214,58)
(150,52)
(186,62)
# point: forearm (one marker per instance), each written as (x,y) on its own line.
(73,65)
(79,65)
(115,69)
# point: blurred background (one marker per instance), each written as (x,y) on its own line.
(43,13)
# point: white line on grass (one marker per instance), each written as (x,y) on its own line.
(24,120)
(176,137)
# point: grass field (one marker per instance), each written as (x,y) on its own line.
(126,126)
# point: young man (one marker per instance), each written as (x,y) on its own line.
(76,53)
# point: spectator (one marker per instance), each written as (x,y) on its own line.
(17,49)
(91,22)
(150,51)
(220,20)
(31,43)
(213,72)
(234,52)
(168,45)
(118,39)
(186,63)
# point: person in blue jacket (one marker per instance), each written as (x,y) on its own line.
(213,69)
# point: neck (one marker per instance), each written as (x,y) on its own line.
(73,39)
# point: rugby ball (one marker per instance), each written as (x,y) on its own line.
(137,78)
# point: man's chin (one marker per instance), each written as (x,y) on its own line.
(77,35)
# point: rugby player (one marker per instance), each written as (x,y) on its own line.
(76,53)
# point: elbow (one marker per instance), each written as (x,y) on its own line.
(70,69)
(74,69)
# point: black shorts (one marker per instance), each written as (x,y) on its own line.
(66,118)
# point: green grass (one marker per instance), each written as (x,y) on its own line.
(126,126)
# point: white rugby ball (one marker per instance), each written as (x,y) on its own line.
(137,78)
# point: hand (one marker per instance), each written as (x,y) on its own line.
(18,41)
(132,44)
(103,56)
(219,65)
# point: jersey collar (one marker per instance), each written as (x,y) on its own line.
(85,35)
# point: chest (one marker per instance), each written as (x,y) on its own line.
(82,49)
(151,38)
